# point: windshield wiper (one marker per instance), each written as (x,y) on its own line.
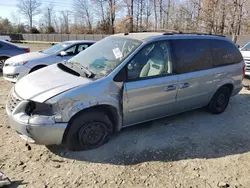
(79,67)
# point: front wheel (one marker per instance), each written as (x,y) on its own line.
(220,100)
(88,130)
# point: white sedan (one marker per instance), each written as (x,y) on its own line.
(18,66)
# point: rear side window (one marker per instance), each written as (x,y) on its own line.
(192,55)
(225,53)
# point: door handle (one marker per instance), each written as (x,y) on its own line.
(184,85)
(170,88)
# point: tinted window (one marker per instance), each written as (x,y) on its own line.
(153,60)
(1,45)
(225,53)
(192,55)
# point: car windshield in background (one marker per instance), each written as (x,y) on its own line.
(56,48)
(246,47)
(104,56)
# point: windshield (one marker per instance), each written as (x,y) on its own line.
(246,47)
(104,56)
(56,48)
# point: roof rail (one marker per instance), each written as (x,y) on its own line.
(192,33)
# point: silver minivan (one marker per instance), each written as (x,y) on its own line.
(123,80)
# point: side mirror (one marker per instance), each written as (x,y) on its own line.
(130,66)
(63,53)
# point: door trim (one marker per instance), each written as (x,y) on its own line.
(150,106)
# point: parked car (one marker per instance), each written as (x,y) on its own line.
(8,49)
(18,66)
(123,80)
(5,37)
(245,51)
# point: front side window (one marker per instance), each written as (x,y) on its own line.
(82,47)
(153,60)
(71,51)
(192,55)
(225,53)
(104,56)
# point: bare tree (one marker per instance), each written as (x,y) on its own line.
(29,9)
(65,21)
(83,9)
(155,11)
(148,11)
(130,13)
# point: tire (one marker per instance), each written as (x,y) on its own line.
(88,130)
(37,68)
(220,101)
(2,60)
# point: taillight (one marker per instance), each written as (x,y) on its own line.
(244,71)
(27,50)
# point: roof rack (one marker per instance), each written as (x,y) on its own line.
(192,33)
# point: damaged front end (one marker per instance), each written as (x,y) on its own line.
(34,121)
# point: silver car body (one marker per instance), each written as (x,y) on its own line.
(128,103)
(13,73)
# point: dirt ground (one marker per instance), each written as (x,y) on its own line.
(194,149)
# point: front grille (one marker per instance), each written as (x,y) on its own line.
(11,75)
(247,63)
(13,101)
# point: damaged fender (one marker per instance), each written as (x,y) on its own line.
(69,105)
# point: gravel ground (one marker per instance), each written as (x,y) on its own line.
(193,149)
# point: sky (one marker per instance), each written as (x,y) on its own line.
(9,6)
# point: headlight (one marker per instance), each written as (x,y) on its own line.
(35,108)
(18,63)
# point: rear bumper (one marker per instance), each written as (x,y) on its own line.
(40,129)
(13,74)
(237,89)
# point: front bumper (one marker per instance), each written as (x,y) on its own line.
(13,74)
(36,129)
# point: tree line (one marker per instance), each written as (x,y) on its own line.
(111,16)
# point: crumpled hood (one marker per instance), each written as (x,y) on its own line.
(245,54)
(47,82)
(26,57)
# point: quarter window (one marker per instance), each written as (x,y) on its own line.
(192,55)
(225,53)
(153,60)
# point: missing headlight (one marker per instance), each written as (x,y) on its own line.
(31,106)
(35,108)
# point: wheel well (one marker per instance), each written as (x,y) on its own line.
(4,57)
(37,67)
(110,111)
(229,86)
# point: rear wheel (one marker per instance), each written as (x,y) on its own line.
(2,61)
(220,100)
(88,130)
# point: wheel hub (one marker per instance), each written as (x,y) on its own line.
(221,100)
(92,134)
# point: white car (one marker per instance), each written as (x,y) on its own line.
(245,51)
(18,66)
